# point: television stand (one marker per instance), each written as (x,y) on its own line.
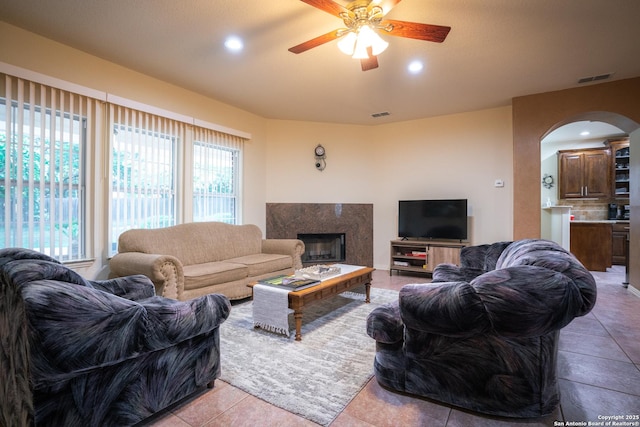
(422,256)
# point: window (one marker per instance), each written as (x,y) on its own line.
(144,167)
(42,168)
(216,160)
(69,154)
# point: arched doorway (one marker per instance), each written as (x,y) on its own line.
(581,134)
(536,115)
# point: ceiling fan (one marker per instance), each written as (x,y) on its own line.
(363,20)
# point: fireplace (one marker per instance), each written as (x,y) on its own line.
(323,248)
(353,220)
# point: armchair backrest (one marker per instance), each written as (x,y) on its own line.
(528,301)
(550,255)
(13,254)
(537,288)
(482,257)
(29,270)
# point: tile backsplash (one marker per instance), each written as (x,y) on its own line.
(587,210)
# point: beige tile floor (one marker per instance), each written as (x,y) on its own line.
(598,370)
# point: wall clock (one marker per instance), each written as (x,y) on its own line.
(547,181)
(320,156)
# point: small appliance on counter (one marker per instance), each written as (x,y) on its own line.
(618,211)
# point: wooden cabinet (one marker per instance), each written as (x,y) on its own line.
(619,242)
(584,173)
(591,243)
(422,256)
(620,165)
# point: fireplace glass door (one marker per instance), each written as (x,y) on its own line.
(323,248)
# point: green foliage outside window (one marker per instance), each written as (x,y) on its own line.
(39,180)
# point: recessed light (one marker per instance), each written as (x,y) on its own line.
(585,133)
(233,43)
(415,67)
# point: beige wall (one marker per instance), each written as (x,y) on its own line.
(450,156)
(455,156)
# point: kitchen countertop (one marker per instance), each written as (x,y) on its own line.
(602,221)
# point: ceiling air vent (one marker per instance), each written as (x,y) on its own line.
(594,78)
(376,115)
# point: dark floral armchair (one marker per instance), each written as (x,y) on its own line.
(97,353)
(484,336)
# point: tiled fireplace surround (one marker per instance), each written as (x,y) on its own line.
(355,220)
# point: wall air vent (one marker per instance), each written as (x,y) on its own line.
(594,78)
(384,113)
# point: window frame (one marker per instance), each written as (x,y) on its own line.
(145,131)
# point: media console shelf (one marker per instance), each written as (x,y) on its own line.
(422,256)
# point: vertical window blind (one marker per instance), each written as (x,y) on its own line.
(43,133)
(216,176)
(144,170)
(50,140)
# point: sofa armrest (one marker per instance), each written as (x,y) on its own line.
(165,271)
(451,309)
(133,288)
(171,322)
(292,247)
(384,324)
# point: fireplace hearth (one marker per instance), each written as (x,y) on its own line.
(323,248)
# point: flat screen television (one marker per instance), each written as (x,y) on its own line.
(433,219)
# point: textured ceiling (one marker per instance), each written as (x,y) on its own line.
(496,50)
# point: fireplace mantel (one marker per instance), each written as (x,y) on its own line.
(355,220)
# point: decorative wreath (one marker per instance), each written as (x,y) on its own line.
(547,181)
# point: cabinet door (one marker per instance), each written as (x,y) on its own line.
(443,255)
(592,244)
(570,175)
(597,173)
(618,255)
(584,174)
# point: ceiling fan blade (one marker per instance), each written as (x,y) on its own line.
(309,44)
(328,6)
(369,63)
(413,30)
(387,5)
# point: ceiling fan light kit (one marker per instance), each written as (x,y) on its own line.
(363,20)
(359,35)
(347,44)
(367,38)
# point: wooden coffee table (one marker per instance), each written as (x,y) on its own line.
(327,289)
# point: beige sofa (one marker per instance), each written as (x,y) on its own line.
(189,260)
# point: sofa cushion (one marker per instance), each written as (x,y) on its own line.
(259,264)
(213,273)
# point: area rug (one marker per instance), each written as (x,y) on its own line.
(316,377)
